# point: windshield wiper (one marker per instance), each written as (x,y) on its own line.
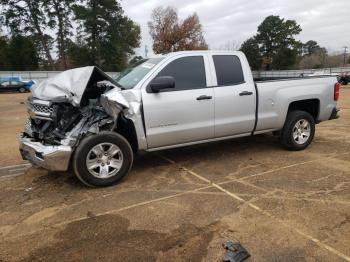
(120,85)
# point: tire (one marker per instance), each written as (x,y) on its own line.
(22,90)
(96,150)
(294,136)
(344,82)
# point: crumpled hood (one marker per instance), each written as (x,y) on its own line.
(70,85)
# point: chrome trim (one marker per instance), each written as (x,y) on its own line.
(40,109)
(28,129)
(41,102)
(55,158)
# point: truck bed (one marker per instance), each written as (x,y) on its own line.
(275,96)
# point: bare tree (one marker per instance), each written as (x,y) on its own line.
(317,59)
(169,34)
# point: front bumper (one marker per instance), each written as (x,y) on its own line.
(55,158)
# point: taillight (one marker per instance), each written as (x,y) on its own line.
(337,87)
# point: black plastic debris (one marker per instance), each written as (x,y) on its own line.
(235,252)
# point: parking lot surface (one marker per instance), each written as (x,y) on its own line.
(183,204)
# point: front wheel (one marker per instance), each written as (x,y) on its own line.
(103,159)
(298,131)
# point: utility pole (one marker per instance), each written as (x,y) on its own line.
(345,49)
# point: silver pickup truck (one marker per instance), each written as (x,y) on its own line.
(85,120)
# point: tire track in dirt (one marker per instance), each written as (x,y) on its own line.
(13,171)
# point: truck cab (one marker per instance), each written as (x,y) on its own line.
(204,103)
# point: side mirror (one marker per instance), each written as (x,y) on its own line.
(162,82)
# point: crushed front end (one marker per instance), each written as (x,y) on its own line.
(57,124)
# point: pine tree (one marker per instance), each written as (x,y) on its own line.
(108,37)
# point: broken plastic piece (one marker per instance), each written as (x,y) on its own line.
(235,252)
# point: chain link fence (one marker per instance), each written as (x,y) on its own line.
(297,73)
(39,76)
(42,75)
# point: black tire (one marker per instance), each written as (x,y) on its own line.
(287,139)
(87,144)
(22,90)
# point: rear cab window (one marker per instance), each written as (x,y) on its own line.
(228,70)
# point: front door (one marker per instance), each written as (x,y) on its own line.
(185,113)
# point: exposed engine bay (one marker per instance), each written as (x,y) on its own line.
(61,116)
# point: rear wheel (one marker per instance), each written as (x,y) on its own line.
(22,90)
(298,131)
(102,159)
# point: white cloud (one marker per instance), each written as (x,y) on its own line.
(327,22)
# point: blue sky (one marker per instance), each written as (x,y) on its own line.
(327,22)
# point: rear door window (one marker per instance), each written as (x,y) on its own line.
(189,73)
(228,70)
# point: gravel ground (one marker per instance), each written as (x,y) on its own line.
(181,205)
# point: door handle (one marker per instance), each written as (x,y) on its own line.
(246,93)
(204,98)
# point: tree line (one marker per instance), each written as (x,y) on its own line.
(62,34)
(274,46)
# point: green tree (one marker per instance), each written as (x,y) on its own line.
(22,54)
(276,36)
(135,60)
(28,16)
(78,53)
(251,49)
(18,53)
(3,53)
(310,47)
(108,37)
(59,14)
(285,58)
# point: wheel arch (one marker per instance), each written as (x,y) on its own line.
(126,128)
(312,106)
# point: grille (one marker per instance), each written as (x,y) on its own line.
(28,128)
(42,109)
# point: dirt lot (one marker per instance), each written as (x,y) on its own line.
(181,205)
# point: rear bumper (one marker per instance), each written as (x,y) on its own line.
(55,158)
(334,114)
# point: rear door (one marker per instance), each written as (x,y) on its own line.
(235,97)
(183,114)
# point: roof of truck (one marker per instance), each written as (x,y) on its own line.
(196,52)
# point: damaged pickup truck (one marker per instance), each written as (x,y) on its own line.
(85,120)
